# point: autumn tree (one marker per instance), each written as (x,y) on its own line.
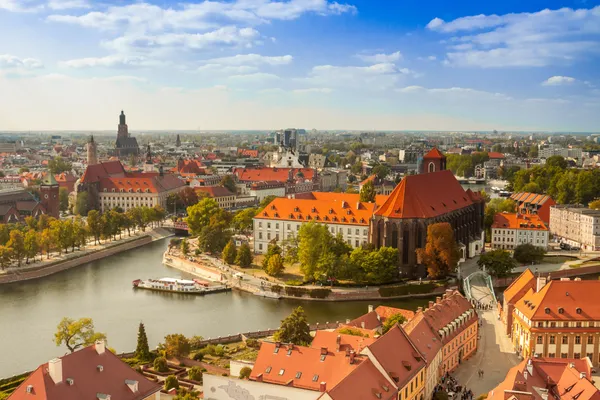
(228,182)
(595,205)
(94,221)
(244,256)
(82,204)
(275,265)
(17,244)
(243,220)
(63,196)
(294,329)
(75,334)
(176,345)
(272,250)
(171,382)
(441,253)
(46,242)
(498,263)
(188,197)
(230,252)
(58,165)
(393,320)
(367,192)
(5,257)
(31,243)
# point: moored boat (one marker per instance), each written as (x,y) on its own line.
(174,285)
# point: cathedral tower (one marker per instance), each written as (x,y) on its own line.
(49,195)
(123,132)
(92,151)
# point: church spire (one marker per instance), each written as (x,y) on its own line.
(122,118)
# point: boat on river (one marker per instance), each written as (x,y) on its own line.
(175,285)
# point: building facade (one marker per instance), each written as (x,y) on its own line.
(260,190)
(576,225)
(534,203)
(224,198)
(510,230)
(559,319)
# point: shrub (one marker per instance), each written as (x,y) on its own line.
(293,282)
(198,356)
(276,289)
(295,291)
(253,343)
(171,382)
(160,365)
(402,290)
(219,351)
(245,372)
(197,252)
(209,349)
(352,331)
(195,374)
(320,293)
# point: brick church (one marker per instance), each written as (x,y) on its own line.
(430,197)
(126,145)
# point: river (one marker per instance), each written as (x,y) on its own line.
(30,311)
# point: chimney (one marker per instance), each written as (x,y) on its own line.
(100,346)
(338,342)
(347,320)
(419,309)
(438,300)
(565,279)
(571,365)
(55,370)
(352,355)
(323,387)
(323,351)
(430,304)
(358,205)
(541,282)
(449,292)
(582,375)
(370,308)
(362,324)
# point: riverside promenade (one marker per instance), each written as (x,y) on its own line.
(92,252)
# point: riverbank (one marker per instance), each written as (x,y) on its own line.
(59,263)
(211,268)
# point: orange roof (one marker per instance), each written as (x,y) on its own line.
(248,153)
(398,356)
(82,367)
(533,198)
(425,196)
(447,310)
(422,335)
(525,279)
(364,382)
(385,312)
(141,183)
(495,155)
(272,174)
(348,197)
(530,222)
(338,211)
(301,367)
(346,342)
(434,153)
(563,300)
(214,191)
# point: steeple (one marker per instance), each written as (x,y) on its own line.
(148,165)
(178,141)
(122,118)
(123,132)
(92,151)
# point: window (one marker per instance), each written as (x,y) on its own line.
(277,225)
(357,231)
(349,231)
(578,339)
(540,324)
(551,355)
(577,356)
(268,225)
(552,324)
(406,393)
(323,357)
(281,371)
(260,246)
(565,324)
(260,235)
(268,235)
(552,339)
(563,355)
(298,375)
(578,324)
(540,340)
(565,340)
(315,378)
(590,340)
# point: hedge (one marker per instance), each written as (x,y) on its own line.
(320,293)
(276,288)
(402,290)
(295,291)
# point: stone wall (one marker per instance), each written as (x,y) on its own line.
(192,267)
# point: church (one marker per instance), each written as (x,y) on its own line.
(126,145)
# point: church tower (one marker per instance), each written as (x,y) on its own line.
(433,161)
(92,151)
(148,165)
(123,132)
(178,141)
(49,195)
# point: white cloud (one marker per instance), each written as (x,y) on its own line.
(533,39)
(313,90)
(432,58)
(8,61)
(558,80)
(454,92)
(226,69)
(380,58)
(20,5)
(68,4)
(254,78)
(253,59)
(112,61)
(380,76)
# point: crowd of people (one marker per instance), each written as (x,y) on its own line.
(455,391)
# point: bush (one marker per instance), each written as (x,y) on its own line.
(219,351)
(245,372)
(276,289)
(320,293)
(293,282)
(352,331)
(195,374)
(198,356)
(197,252)
(527,253)
(209,349)
(253,343)
(295,291)
(403,290)
(171,382)
(160,365)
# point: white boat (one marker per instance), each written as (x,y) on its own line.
(177,286)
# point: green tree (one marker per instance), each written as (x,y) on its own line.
(4,234)
(17,244)
(441,253)
(31,243)
(185,247)
(527,253)
(58,165)
(31,222)
(498,263)
(228,182)
(245,372)
(289,247)
(373,266)
(199,215)
(265,202)
(214,237)
(272,250)
(357,168)
(367,192)
(142,351)
(6,257)
(82,204)
(381,171)
(195,374)
(243,220)
(557,161)
(230,252)
(244,256)
(75,334)
(313,240)
(185,394)
(393,320)
(177,345)
(94,222)
(63,196)
(160,364)
(294,329)
(275,265)
(171,382)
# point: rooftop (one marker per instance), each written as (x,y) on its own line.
(530,222)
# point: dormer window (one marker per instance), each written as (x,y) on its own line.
(296,209)
(268,370)
(331,211)
(314,209)
(578,310)
(315,378)
(561,310)
(272,206)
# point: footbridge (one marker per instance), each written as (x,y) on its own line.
(479,287)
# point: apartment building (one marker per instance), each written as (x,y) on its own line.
(510,230)
(534,203)
(576,225)
(224,198)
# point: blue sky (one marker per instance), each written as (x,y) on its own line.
(265,64)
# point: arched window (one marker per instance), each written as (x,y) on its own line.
(431,167)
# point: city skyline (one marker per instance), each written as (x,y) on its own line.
(260,64)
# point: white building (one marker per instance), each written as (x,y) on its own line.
(260,190)
(510,230)
(342,213)
(576,225)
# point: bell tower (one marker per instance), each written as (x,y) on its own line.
(123,131)
(148,165)
(49,195)
(92,151)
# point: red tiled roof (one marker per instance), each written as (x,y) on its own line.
(369,321)
(364,382)
(525,279)
(214,191)
(146,182)
(248,153)
(530,222)
(301,367)
(421,334)
(346,342)
(385,312)
(579,301)
(495,155)
(398,356)
(271,174)
(82,367)
(425,196)
(341,210)
(93,173)
(434,153)
(447,310)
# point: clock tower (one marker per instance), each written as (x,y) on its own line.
(49,195)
